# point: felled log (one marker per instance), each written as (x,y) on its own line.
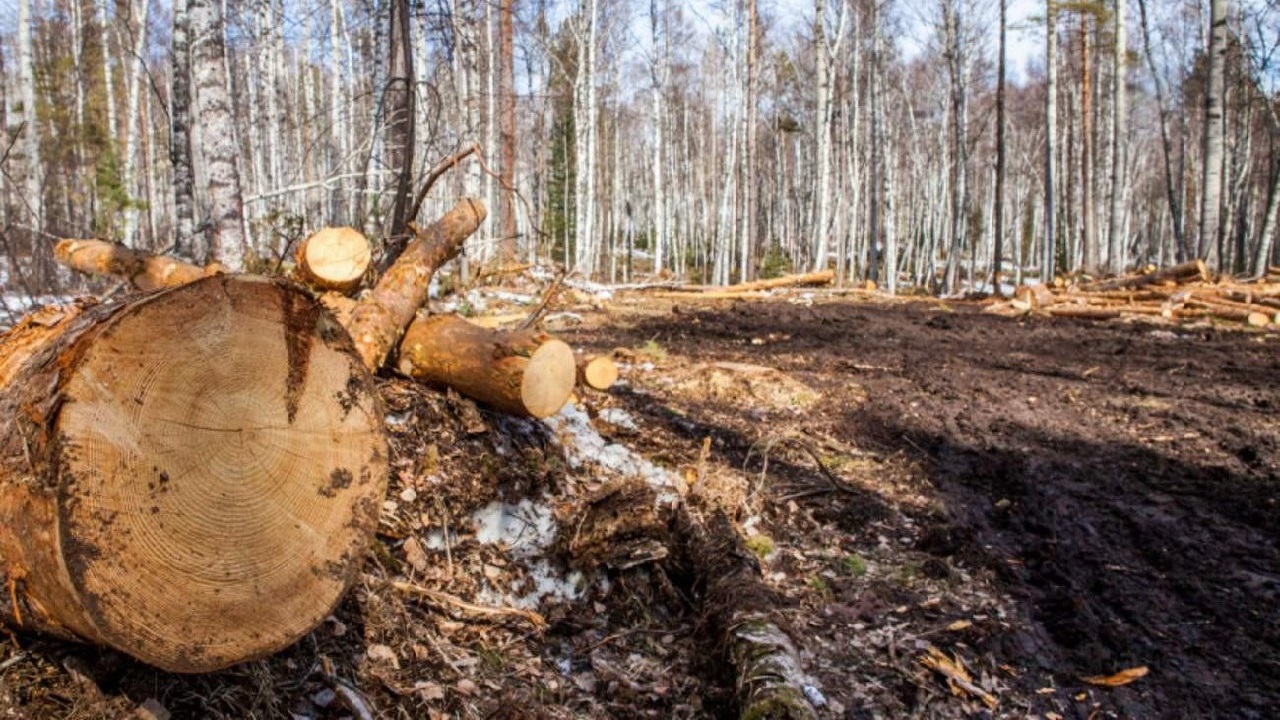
(334,258)
(822,277)
(380,318)
(143,270)
(518,372)
(1186,272)
(740,610)
(1035,296)
(189,476)
(598,373)
(1225,311)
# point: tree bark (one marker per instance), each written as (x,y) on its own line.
(507,131)
(1211,196)
(1047,265)
(185,242)
(399,100)
(1120,142)
(219,151)
(379,319)
(997,249)
(192,475)
(517,372)
(142,269)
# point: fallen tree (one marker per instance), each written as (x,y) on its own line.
(191,476)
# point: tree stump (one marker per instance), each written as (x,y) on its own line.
(190,476)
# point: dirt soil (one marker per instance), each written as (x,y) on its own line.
(1035,501)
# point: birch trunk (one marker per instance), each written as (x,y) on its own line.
(33,177)
(228,243)
(1211,196)
(185,243)
(997,248)
(1047,269)
(661,46)
(1120,143)
(133,130)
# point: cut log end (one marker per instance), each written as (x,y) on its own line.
(222,461)
(599,373)
(335,258)
(548,379)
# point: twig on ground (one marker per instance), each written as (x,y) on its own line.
(441,598)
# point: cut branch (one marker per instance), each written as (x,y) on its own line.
(379,319)
(334,258)
(143,270)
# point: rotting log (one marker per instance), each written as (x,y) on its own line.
(519,372)
(739,607)
(143,270)
(334,258)
(190,476)
(381,317)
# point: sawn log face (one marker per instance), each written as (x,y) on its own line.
(191,476)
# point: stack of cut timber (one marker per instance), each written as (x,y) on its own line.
(748,290)
(1179,293)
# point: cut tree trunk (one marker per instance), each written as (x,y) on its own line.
(143,270)
(518,372)
(598,373)
(380,318)
(1186,272)
(335,258)
(190,476)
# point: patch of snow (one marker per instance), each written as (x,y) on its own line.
(619,418)
(814,696)
(581,442)
(526,527)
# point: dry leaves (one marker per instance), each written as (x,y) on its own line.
(1124,677)
(958,677)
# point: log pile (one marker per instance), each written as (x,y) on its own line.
(194,472)
(1182,293)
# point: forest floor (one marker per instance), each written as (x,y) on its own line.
(1039,500)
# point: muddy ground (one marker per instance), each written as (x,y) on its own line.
(1039,500)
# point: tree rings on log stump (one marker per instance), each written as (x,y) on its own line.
(334,258)
(196,475)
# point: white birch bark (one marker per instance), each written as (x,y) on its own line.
(1119,140)
(218,148)
(1047,269)
(661,50)
(1211,197)
(133,112)
(33,177)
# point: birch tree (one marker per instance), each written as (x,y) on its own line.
(1119,140)
(228,241)
(1211,195)
(33,180)
(185,241)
